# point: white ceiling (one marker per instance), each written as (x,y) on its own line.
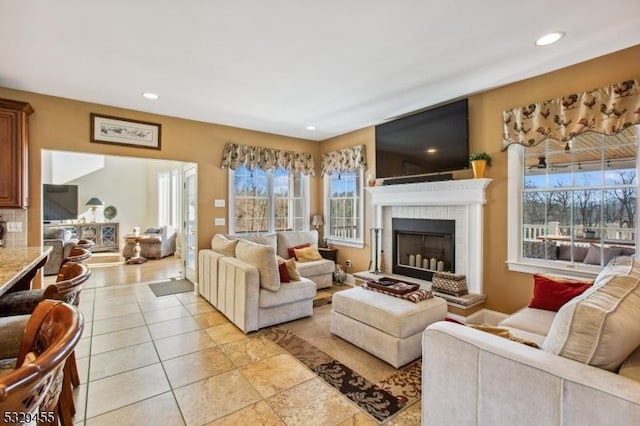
(281,65)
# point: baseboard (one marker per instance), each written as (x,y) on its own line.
(483,316)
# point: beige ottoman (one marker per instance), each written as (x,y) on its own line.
(385,326)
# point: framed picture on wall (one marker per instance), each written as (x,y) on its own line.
(122,131)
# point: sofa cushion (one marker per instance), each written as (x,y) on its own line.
(307,254)
(292,268)
(600,326)
(223,245)
(56,234)
(316,267)
(551,293)
(631,366)
(283,272)
(263,257)
(579,252)
(617,265)
(287,239)
(608,253)
(529,320)
(288,293)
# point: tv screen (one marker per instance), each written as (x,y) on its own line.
(59,202)
(431,141)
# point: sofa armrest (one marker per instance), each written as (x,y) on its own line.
(474,378)
(239,292)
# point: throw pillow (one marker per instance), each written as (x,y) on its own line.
(282,270)
(599,327)
(263,257)
(292,269)
(631,366)
(550,293)
(223,245)
(593,256)
(292,250)
(307,254)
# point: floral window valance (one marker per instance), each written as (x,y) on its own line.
(344,160)
(607,110)
(252,157)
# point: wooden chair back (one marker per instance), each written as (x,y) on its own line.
(78,254)
(69,283)
(51,334)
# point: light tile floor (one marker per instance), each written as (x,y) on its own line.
(175,360)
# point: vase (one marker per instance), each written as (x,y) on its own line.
(478,167)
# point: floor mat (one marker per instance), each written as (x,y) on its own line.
(166,288)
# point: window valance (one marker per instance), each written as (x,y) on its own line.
(344,160)
(607,110)
(235,155)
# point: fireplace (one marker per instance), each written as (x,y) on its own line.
(459,201)
(423,246)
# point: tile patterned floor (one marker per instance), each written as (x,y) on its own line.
(175,360)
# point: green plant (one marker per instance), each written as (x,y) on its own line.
(480,156)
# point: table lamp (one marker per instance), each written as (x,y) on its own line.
(94,202)
(317,221)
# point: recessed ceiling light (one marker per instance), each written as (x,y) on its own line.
(150,95)
(311,127)
(549,38)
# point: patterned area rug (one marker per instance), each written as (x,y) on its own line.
(325,295)
(380,400)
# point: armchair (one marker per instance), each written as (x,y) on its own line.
(155,242)
(62,242)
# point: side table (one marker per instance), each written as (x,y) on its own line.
(329,253)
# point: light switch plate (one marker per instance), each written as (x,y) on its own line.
(218,203)
(219,221)
(14,226)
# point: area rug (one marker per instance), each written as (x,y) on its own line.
(381,400)
(166,288)
(325,295)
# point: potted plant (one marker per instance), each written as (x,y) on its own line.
(479,161)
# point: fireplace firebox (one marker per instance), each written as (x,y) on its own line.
(423,246)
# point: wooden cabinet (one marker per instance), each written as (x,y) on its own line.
(104,235)
(14,160)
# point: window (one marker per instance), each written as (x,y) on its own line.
(575,202)
(344,204)
(168,202)
(267,201)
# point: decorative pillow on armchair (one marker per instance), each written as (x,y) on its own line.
(223,245)
(292,250)
(550,293)
(307,254)
(263,257)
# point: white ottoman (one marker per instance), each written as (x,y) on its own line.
(385,326)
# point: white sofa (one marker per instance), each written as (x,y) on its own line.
(470,377)
(240,278)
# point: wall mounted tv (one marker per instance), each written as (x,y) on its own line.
(431,141)
(59,202)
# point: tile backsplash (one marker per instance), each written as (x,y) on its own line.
(15,239)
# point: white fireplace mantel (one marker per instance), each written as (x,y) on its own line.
(461,200)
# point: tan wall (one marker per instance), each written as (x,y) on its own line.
(63,124)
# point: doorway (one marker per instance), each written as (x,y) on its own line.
(132,187)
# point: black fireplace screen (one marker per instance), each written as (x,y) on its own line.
(423,246)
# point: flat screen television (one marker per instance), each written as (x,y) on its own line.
(431,141)
(59,202)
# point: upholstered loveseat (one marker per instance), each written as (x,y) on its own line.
(244,280)
(586,371)
(62,241)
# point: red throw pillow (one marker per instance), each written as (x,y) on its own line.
(284,274)
(292,253)
(551,293)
